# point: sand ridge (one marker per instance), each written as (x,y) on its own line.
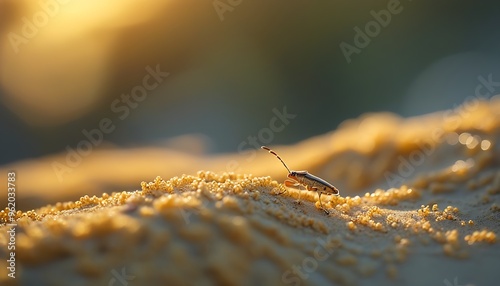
(437,214)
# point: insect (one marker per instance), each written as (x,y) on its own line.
(309,181)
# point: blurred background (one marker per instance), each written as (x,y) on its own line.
(64,63)
(97,96)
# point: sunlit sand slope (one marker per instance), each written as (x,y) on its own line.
(419,204)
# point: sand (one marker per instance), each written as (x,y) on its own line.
(419,204)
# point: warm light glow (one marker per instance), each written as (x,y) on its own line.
(55,57)
(485,145)
(463,138)
(462,166)
(452,138)
(472,142)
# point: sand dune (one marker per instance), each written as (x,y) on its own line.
(419,205)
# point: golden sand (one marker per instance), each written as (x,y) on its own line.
(427,221)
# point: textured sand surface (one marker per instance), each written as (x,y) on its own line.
(419,204)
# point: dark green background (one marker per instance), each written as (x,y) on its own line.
(227,76)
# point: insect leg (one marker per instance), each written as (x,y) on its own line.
(295,185)
(321,204)
(319,197)
(283,192)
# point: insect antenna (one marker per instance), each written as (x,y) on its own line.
(277,156)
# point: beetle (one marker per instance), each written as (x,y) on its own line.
(309,181)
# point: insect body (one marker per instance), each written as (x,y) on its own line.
(309,181)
